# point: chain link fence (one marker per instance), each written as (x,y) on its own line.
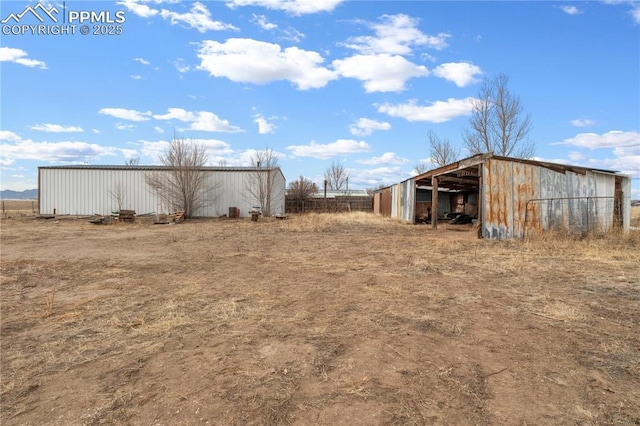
(573,214)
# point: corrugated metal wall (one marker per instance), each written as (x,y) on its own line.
(278,193)
(510,187)
(408,202)
(86,191)
(403,200)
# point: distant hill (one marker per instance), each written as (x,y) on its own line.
(28,194)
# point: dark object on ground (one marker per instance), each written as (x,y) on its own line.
(461,219)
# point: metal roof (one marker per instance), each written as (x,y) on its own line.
(465,174)
(125,167)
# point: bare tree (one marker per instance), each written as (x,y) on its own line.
(261,183)
(184,187)
(133,161)
(442,151)
(336,176)
(498,122)
(420,168)
(372,191)
(118,195)
(302,188)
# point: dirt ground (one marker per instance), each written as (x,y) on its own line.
(319,319)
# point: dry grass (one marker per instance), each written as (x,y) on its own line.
(18,208)
(635,217)
(318,319)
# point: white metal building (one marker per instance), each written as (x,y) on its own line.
(87,190)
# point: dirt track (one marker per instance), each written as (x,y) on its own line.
(314,320)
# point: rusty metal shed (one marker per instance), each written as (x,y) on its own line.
(510,197)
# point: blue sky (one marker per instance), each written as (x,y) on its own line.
(355,82)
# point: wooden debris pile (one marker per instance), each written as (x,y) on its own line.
(128,216)
(165,219)
(101,220)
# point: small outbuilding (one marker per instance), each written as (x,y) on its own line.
(510,197)
(87,190)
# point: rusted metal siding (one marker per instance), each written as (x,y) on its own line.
(385,202)
(403,200)
(519,197)
(507,188)
(584,207)
(525,187)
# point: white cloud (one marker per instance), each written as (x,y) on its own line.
(136,77)
(95,131)
(264,126)
(395,35)
(215,149)
(126,114)
(635,13)
(137,8)
(263,22)
(244,158)
(371,178)
(158,129)
(624,146)
(291,34)
(252,61)
(122,126)
(176,114)
(437,112)
(612,139)
(333,149)
(18,56)
(388,158)
(200,120)
(576,156)
(635,8)
(198,17)
(293,7)
(4,162)
(142,61)
(366,126)
(380,73)
(154,149)
(70,152)
(570,10)
(583,122)
(181,66)
(129,153)
(8,136)
(461,73)
(56,128)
